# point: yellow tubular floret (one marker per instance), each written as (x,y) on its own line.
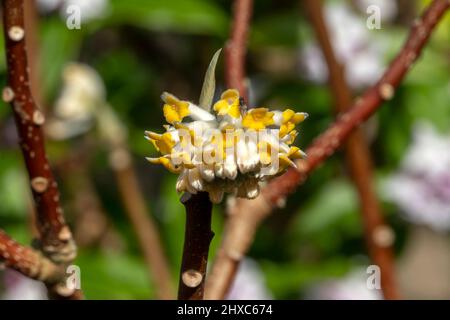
(295,153)
(258,118)
(230,138)
(174,109)
(289,120)
(162,142)
(228,104)
(285,162)
(292,135)
(166,163)
(184,138)
(265,152)
(182,158)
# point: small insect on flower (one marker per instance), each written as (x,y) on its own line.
(227,150)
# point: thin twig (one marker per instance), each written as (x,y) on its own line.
(240,228)
(92,226)
(248,214)
(236,48)
(358,159)
(27,261)
(143,224)
(328,142)
(56,240)
(197,238)
(33,264)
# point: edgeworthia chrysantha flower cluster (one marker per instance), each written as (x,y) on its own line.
(228,149)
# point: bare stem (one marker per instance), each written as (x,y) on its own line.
(197,238)
(323,147)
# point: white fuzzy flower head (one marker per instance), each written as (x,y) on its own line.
(82,92)
(227,150)
(81,104)
(74,110)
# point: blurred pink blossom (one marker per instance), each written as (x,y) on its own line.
(354,45)
(351,287)
(422,186)
(19,287)
(249,283)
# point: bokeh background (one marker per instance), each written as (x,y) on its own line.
(312,248)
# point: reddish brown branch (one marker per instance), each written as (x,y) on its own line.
(27,261)
(358,158)
(237,240)
(197,238)
(328,142)
(236,48)
(55,237)
(33,50)
(33,264)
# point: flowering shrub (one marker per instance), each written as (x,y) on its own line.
(231,150)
